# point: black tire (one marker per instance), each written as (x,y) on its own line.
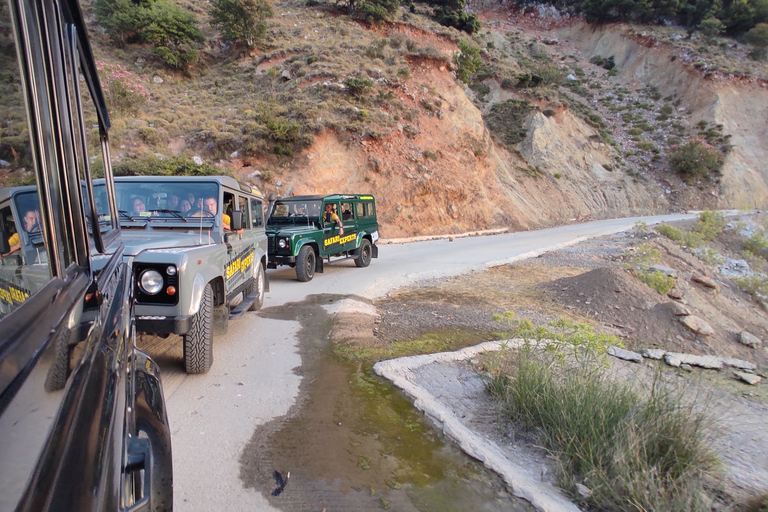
(305,264)
(258,283)
(198,342)
(364,254)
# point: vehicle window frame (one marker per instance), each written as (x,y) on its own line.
(256,203)
(246,218)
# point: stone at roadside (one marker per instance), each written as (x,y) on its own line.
(708,362)
(679,309)
(672,360)
(738,363)
(749,378)
(675,293)
(583,490)
(706,282)
(697,325)
(654,353)
(624,354)
(749,340)
(686,367)
(667,271)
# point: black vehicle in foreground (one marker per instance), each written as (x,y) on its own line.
(83,424)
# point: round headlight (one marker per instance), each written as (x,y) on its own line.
(171,270)
(151,282)
(281,243)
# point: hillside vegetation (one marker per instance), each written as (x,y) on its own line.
(533,118)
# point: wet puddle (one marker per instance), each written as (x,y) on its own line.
(352,442)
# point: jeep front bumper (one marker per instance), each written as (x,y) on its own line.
(157,324)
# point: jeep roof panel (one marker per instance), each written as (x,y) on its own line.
(329,196)
(227,181)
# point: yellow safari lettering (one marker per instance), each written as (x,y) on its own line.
(12,294)
(339,239)
(238,265)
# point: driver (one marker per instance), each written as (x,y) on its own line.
(31,225)
(330,216)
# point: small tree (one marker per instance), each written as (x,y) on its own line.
(241,21)
(758,38)
(467,60)
(711,28)
(174,32)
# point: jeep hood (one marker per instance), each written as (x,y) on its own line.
(292,229)
(137,242)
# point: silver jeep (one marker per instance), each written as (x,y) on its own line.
(198,251)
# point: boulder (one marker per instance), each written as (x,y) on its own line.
(675,293)
(667,271)
(697,325)
(708,362)
(653,353)
(749,378)
(679,309)
(749,340)
(624,354)
(738,363)
(671,360)
(706,282)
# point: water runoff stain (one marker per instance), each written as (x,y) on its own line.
(352,442)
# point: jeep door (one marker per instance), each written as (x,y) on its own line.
(77,401)
(347,216)
(240,246)
(331,243)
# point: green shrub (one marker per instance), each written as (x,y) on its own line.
(709,225)
(644,255)
(458,19)
(755,285)
(658,281)
(467,60)
(758,38)
(149,135)
(670,232)
(174,32)
(506,120)
(695,159)
(757,244)
(649,449)
(241,21)
(358,86)
(710,256)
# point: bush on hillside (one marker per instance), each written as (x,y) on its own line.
(458,19)
(506,120)
(241,21)
(125,93)
(172,30)
(156,166)
(696,159)
(467,60)
(758,38)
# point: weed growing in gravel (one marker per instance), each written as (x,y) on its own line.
(658,281)
(651,451)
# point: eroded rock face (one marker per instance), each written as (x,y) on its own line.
(749,340)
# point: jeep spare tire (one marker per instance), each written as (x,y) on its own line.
(305,264)
(198,342)
(364,253)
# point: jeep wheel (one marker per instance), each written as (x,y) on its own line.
(198,342)
(256,284)
(305,264)
(364,254)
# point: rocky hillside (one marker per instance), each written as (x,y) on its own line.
(544,133)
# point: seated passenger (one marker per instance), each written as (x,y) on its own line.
(31,225)
(138,207)
(185,206)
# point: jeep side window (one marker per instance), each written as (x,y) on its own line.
(257,213)
(244,209)
(360,209)
(346,211)
(19,277)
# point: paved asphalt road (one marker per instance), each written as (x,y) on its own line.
(213,416)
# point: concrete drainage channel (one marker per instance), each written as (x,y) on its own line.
(448,394)
(352,441)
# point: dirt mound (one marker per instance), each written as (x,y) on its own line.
(614,297)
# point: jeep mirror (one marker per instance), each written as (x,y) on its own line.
(4,246)
(236,222)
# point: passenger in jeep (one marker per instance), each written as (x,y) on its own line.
(138,206)
(330,216)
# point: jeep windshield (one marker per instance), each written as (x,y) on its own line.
(166,200)
(299,212)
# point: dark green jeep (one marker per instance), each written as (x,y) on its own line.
(302,230)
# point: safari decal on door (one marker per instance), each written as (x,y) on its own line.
(339,240)
(242,262)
